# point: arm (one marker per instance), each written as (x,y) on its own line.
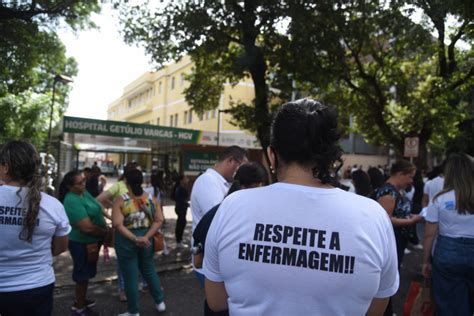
(216,295)
(86,227)
(59,244)
(105,199)
(377,307)
(431,230)
(425,200)
(117,223)
(388,203)
(104,212)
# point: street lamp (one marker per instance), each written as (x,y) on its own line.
(219,123)
(61,79)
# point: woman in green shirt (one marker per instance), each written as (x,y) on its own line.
(88,233)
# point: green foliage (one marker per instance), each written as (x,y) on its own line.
(32,111)
(31,54)
(369,58)
(385,69)
(227,41)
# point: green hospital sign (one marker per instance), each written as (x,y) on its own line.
(131,130)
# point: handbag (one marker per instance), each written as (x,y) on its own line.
(419,300)
(92,252)
(158,241)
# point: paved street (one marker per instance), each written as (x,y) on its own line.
(182,293)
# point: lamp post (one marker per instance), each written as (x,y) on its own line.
(219,124)
(61,79)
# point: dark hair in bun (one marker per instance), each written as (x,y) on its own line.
(134,179)
(305,132)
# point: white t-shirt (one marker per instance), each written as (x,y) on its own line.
(450,223)
(209,189)
(23,265)
(288,249)
(432,187)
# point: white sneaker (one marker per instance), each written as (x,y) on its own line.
(161,307)
(407,251)
(166,252)
(128,314)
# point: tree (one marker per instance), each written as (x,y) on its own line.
(393,76)
(31,54)
(227,41)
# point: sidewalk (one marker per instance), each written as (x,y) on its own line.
(106,271)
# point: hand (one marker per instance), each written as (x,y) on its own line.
(142,242)
(415,218)
(426,270)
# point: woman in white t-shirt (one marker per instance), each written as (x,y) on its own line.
(34,228)
(301,246)
(450,218)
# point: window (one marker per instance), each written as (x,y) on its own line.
(185,117)
(172,83)
(201,116)
(176,120)
(160,87)
(214,113)
(182,79)
(157,121)
(171,120)
(190,117)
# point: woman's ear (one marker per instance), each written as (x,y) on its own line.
(271,157)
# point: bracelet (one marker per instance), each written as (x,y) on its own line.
(135,239)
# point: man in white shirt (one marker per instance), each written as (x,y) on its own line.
(211,187)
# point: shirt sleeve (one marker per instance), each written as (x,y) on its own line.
(211,258)
(114,190)
(426,188)
(389,277)
(63,228)
(432,213)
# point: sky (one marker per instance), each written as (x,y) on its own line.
(106,66)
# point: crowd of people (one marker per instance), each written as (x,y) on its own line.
(321,239)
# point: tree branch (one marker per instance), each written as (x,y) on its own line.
(26,15)
(462,80)
(451,51)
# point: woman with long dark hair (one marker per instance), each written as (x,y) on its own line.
(301,246)
(89,232)
(33,227)
(450,217)
(137,216)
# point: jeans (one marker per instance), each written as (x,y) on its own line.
(131,259)
(33,302)
(453,275)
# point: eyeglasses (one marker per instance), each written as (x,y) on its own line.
(81,182)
